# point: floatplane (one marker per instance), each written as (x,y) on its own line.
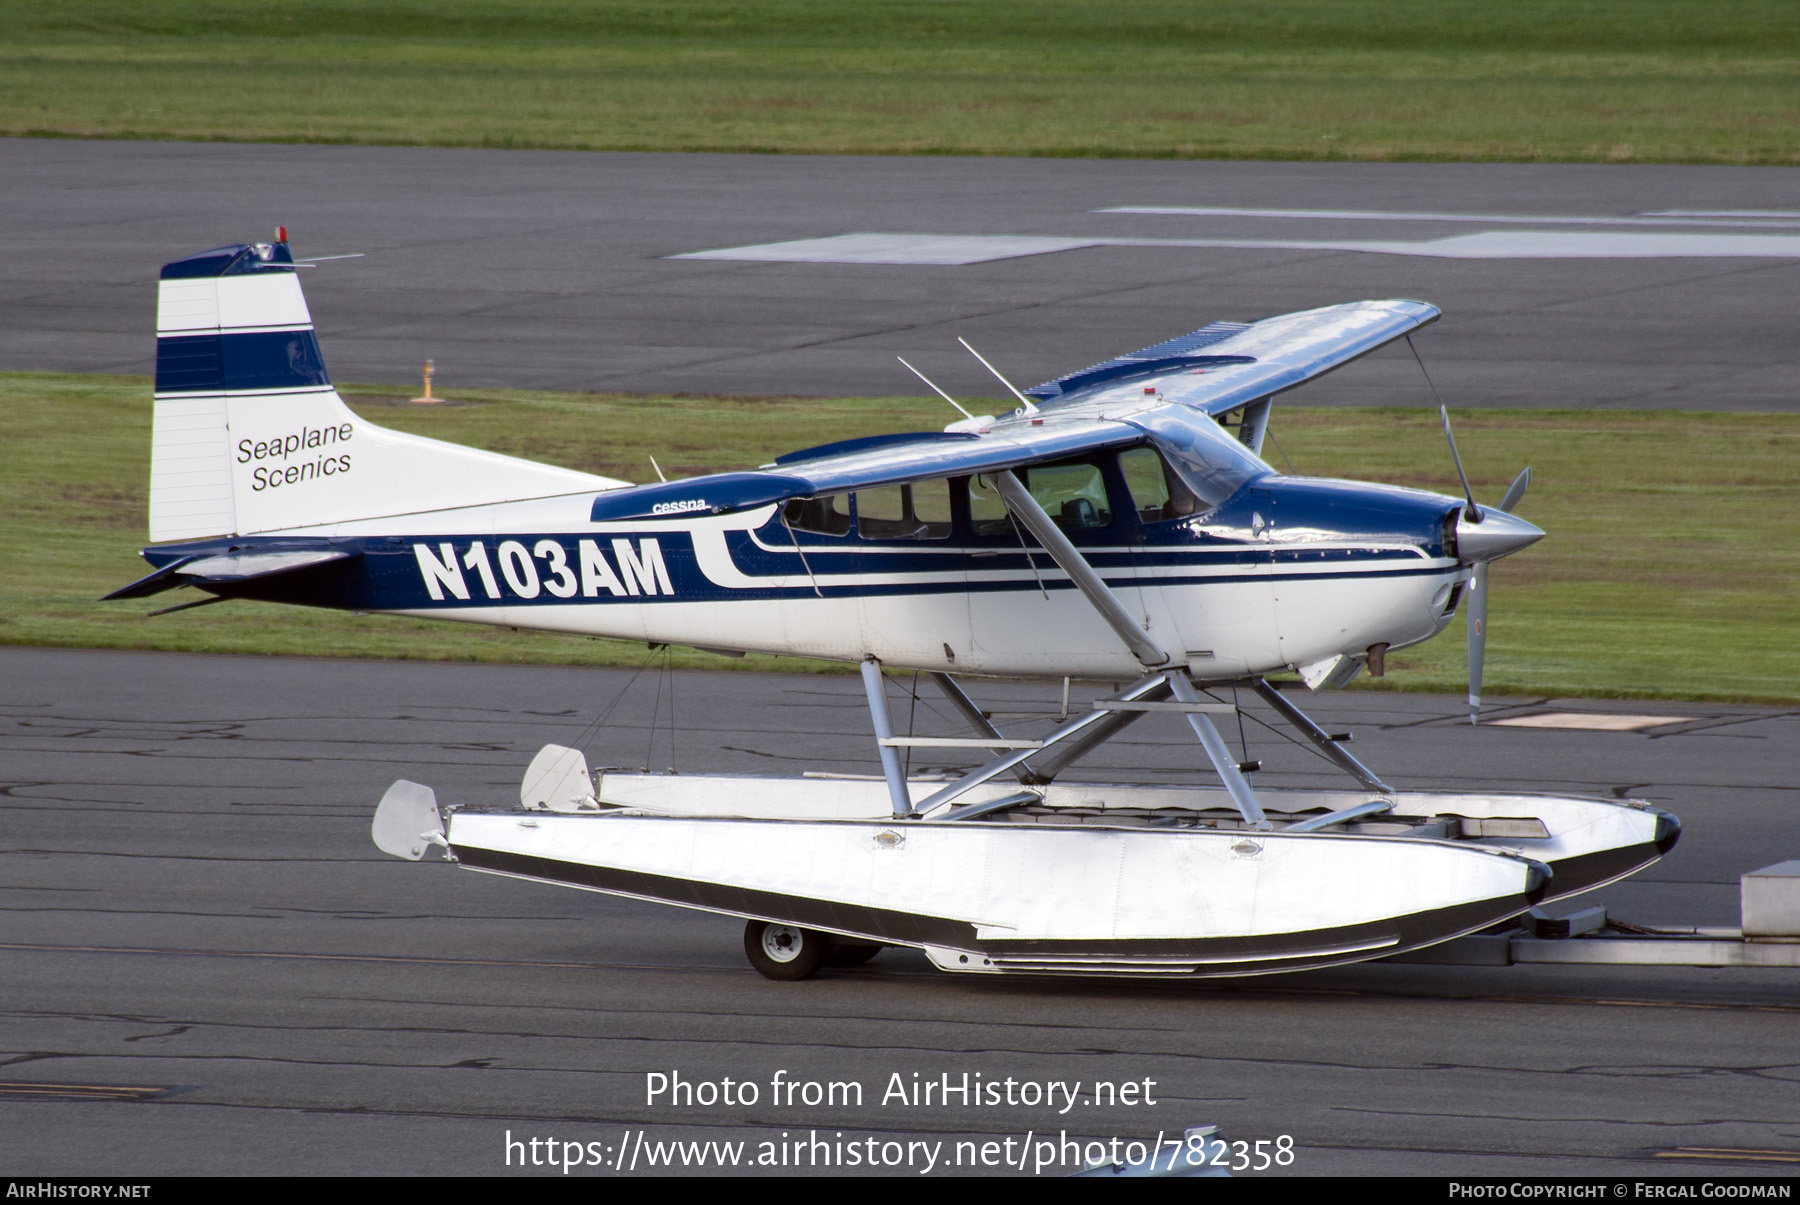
(1119,525)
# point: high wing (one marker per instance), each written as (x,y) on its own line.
(1152,395)
(1227,365)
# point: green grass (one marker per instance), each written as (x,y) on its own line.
(1627,80)
(74,487)
(1672,568)
(1672,564)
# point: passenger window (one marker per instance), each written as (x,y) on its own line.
(829,516)
(1156,493)
(904,512)
(931,506)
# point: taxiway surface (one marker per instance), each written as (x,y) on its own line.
(209,969)
(554,270)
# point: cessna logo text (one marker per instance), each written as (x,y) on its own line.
(544,567)
(679,508)
(303,447)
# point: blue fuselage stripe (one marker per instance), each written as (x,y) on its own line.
(468,571)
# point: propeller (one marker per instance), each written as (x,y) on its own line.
(1478,600)
(1483,537)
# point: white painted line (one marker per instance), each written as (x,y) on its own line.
(1721,213)
(1664,218)
(942,249)
(1591,721)
(1572,244)
(953,249)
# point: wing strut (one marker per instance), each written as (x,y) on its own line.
(1019,500)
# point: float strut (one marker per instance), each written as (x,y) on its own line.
(1235,783)
(1317,736)
(1058,758)
(884,732)
(966,707)
(1075,728)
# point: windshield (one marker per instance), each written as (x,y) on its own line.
(1203,454)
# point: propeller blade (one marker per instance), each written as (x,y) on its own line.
(1473,513)
(1476,613)
(1516,490)
(1477,607)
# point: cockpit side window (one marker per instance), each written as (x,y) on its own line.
(988,515)
(1072,493)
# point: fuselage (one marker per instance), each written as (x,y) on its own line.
(915,548)
(1283,573)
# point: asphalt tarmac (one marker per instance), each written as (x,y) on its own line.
(209,969)
(553,270)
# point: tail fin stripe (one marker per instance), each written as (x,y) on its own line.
(190,364)
(239,361)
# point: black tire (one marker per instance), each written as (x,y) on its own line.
(785,952)
(846,955)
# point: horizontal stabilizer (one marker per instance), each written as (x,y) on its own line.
(228,568)
(152,583)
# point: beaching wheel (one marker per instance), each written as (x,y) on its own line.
(784,951)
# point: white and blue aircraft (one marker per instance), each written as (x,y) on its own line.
(1119,525)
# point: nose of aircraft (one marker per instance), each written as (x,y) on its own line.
(1498,534)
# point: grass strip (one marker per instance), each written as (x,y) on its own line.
(1672,568)
(1524,80)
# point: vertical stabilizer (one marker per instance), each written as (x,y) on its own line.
(251,437)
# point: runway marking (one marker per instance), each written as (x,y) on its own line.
(1667,217)
(1727,1154)
(77,1092)
(1591,721)
(1722,213)
(951,250)
(938,249)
